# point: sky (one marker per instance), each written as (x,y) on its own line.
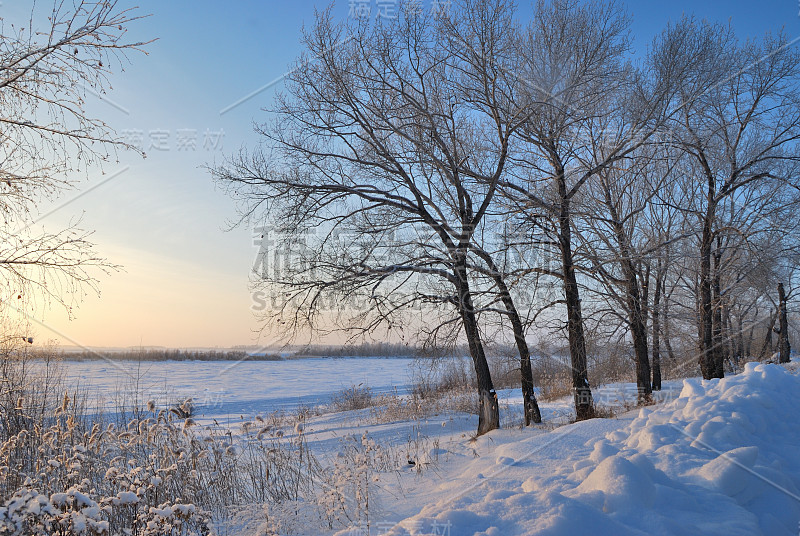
(190,101)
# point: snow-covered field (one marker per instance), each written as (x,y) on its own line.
(713,457)
(225,390)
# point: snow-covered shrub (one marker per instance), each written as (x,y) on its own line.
(70,513)
(62,477)
(353,398)
(348,498)
(278,467)
(82,512)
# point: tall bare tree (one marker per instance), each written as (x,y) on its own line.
(573,60)
(784,348)
(399,133)
(621,247)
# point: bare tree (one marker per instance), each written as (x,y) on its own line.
(498,278)
(397,133)
(623,208)
(739,123)
(572,59)
(47,68)
(783,334)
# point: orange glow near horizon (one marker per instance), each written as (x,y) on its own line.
(157,301)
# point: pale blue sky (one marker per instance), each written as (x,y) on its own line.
(185,279)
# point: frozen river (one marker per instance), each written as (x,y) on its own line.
(229,389)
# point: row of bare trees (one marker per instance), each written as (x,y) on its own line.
(453,176)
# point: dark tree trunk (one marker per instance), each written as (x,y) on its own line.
(740,340)
(639,334)
(717,322)
(531,406)
(783,335)
(584,404)
(665,322)
(708,366)
(636,305)
(766,350)
(699,315)
(645,301)
(657,329)
(532,413)
(488,409)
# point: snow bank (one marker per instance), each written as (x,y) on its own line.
(720,459)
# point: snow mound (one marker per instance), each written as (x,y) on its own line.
(720,459)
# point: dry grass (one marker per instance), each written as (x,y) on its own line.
(148,471)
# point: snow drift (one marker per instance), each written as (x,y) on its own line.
(720,459)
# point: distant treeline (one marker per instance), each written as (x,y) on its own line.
(169,355)
(378,349)
(384,349)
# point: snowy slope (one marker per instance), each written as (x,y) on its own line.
(720,459)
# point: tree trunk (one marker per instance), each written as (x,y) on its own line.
(532,413)
(582,393)
(656,316)
(740,340)
(530,405)
(636,304)
(707,362)
(645,301)
(488,409)
(768,338)
(642,354)
(717,319)
(783,335)
(667,333)
(639,334)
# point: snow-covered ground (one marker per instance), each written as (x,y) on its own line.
(227,390)
(712,457)
(719,457)
(722,459)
